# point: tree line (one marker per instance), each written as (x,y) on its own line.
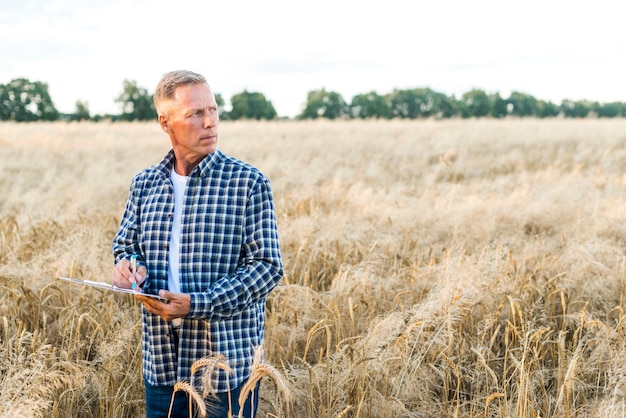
(23,100)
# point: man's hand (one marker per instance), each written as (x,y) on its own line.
(177,306)
(123,276)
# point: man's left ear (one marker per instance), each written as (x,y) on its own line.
(164,124)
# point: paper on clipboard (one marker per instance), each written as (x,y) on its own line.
(107,286)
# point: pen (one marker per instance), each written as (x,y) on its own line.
(133,269)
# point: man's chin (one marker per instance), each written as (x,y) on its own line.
(207,146)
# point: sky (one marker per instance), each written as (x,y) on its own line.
(84,50)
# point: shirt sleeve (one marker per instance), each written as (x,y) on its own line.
(126,241)
(260,266)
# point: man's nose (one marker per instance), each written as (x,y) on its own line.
(209,121)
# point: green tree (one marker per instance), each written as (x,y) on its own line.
(400,103)
(583,108)
(446,106)
(522,104)
(369,105)
(22,100)
(224,115)
(547,109)
(420,103)
(324,104)
(575,109)
(500,106)
(404,104)
(251,105)
(475,103)
(135,102)
(82,111)
(611,110)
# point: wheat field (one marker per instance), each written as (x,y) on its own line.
(457,268)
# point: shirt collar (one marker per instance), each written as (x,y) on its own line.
(203,169)
(208,163)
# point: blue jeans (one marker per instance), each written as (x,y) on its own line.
(158,400)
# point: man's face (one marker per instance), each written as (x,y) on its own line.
(191,121)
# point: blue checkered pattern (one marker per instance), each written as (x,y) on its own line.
(229,262)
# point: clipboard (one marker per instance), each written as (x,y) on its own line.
(107,286)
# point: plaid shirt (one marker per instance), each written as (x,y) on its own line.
(229,262)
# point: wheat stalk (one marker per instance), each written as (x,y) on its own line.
(193,395)
(116,411)
(258,371)
(490,398)
(345,411)
(211,363)
(483,363)
(317,327)
(565,392)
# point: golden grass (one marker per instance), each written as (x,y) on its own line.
(453,268)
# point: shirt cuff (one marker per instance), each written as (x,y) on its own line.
(200,306)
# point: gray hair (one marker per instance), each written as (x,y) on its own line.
(170,81)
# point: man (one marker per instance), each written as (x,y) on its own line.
(202,227)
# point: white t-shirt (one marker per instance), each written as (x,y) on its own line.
(173,270)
